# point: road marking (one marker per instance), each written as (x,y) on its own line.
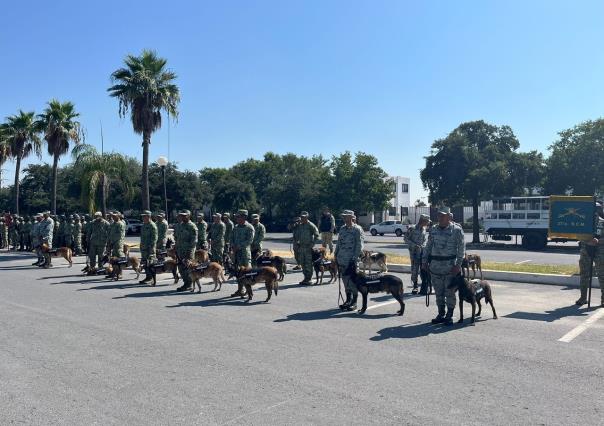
(568,337)
(379,305)
(522,261)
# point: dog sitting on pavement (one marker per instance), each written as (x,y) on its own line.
(471,261)
(472,291)
(369,259)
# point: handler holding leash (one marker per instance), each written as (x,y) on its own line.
(592,252)
(445,252)
(348,249)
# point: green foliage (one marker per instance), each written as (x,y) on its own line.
(185,189)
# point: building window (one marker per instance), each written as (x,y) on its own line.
(405,188)
(392,211)
(394,187)
(404,211)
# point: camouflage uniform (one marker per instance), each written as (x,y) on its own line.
(445,249)
(305,235)
(35,236)
(228,231)
(185,235)
(348,249)
(97,241)
(14,233)
(241,241)
(3,234)
(76,235)
(56,238)
(26,234)
(162,233)
(202,233)
(585,261)
(46,231)
(148,245)
(416,239)
(67,229)
(216,237)
(116,238)
(259,232)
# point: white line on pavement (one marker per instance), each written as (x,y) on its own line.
(523,261)
(568,337)
(382,304)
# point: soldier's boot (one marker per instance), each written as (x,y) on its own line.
(582,300)
(423,289)
(415,288)
(184,287)
(353,303)
(296,268)
(440,318)
(345,305)
(449,317)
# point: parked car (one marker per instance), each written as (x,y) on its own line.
(133,226)
(389,227)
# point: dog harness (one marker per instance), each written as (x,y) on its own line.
(202,267)
(122,261)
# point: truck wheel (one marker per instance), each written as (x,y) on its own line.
(381,234)
(373,232)
(534,241)
(398,233)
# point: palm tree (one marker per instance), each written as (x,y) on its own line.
(21,134)
(4,152)
(60,128)
(145,87)
(97,171)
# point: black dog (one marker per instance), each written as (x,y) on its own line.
(471,292)
(376,284)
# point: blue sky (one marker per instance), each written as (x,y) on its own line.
(310,77)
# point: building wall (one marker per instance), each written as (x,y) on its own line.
(400,202)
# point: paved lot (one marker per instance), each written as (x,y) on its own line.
(80,350)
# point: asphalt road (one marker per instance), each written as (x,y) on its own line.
(81,350)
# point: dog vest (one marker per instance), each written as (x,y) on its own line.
(202,267)
(158,265)
(266,262)
(374,278)
(53,251)
(251,274)
(122,261)
(100,271)
(162,252)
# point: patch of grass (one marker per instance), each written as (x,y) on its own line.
(493,266)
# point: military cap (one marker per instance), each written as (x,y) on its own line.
(226,214)
(146,213)
(304,213)
(200,214)
(242,212)
(184,213)
(296,219)
(160,214)
(76,216)
(46,213)
(444,210)
(98,214)
(424,217)
(598,203)
(216,215)
(116,213)
(255,216)
(347,213)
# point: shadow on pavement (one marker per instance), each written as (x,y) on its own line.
(412,331)
(223,301)
(550,316)
(329,313)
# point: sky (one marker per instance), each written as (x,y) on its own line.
(312,76)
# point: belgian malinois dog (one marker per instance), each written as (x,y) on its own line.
(247,277)
(472,291)
(117,264)
(266,258)
(64,252)
(213,270)
(321,263)
(376,284)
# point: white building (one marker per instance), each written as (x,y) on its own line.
(399,204)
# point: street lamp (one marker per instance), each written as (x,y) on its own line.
(163,162)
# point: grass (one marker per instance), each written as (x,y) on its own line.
(492,266)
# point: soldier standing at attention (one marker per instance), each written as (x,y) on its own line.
(305,235)
(117,235)
(202,232)
(416,238)
(3,234)
(35,232)
(228,231)
(241,241)
(68,232)
(185,235)
(162,231)
(327,226)
(444,254)
(348,250)
(97,242)
(14,232)
(47,227)
(292,227)
(148,244)
(56,242)
(27,233)
(259,232)
(216,238)
(76,234)
(596,246)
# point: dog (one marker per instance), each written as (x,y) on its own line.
(471,291)
(167,265)
(376,284)
(266,258)
(201,255)
(117,264)
(321,263)
(368,259)
(64,252)
(471,261)
(212,270)
(247,277)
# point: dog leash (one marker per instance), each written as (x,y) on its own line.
(340,297)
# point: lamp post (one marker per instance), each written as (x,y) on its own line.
(163,162)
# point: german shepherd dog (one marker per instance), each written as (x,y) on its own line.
(201,255)
(471,261)
(64,252)
(167,265)
(247,277)
(321,263)
(266,258)
(376,284)
(472,291)
(213,270)
(117,264)
(368,259)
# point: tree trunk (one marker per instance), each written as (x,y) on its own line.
(16,187)
(104,195)
(145,177)
(475,224)
(55,165)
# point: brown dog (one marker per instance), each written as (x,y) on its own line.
(117,265)
(169,266)
(247,277)
(212,270)
(64,252)
(321,264)
(266,258)
(471,261)
(368,259)
(201,255)
(471,291)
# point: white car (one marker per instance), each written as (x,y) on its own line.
(133,226)
(389,227)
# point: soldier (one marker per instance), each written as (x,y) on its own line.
(3,234)
(228,231)
(148,245)
(14,232)
(348,249)
(116,236)
(216,237)
(20,230)
(292,227)
(57,228)
(67,231)
(87,233)
(35,231)
(327,226)
(46,237)
(185,235)
(259,232)
(444,254)
(26,231)
(305,235)
(202,232)
(162,231)
(76,235)
(241,241)
(97,241)
(592,251)
(416,238)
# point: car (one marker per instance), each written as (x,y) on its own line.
(133,226)
(389,227)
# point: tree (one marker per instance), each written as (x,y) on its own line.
(419,203)
(97,172)
(145,88)
(21,134)
(575,163)
(185,189)
(470,164)
(4,152)
(60,128)
(232,194)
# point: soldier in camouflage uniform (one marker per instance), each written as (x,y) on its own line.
(57,229)
(76,235)
(85,233)
(148,245)
(97,241)
(202,232)
(305,235)
(228,231)
(3,234)
(46,236)
(259,232)
(162,231)
(292,227)
(35,235)
(592,251)
(241,241)
(117,235)
(216,237)
(26,234)
(444,254)
(348,249)
(13,230)
(67,231)
(416,238)
(186,239)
